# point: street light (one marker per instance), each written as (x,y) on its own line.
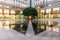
(21,12)
(30,3)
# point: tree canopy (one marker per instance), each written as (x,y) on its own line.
(30,11)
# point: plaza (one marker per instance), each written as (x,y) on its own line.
(14,35)
(14,25)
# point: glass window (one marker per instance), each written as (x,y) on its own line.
(1,24)
(12,16)
(13,0)
(6,16)
(6,6)
(48,10)
(12,11)
(47,5)
(56,3)
(17,0)
(12,26)
(0,10)
(12,22)
(43,11)
(6,11)
(41,2)
(47,0)
(56,10)
(21,12)
(42,6)
(38,7)
(50,5)
(17,12)
(12,7)
(0,15)
(6,22)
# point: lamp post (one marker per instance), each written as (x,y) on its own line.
(30,3)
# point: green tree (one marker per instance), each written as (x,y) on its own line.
(30,12)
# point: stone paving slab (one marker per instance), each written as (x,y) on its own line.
(14,35)
(8,34)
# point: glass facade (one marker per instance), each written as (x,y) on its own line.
(42,6)
(17,0)
(48,5)
(50,13)
(56,3)
(47,18)
(9,18)
(48,10)
(47,0)
(11,15)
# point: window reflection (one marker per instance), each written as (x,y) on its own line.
(47,25)
(12,26)
(1,15)
(6,27)
(48,28)
(6,22)
(12,16)
(56,29)
(1,24)
(6,16)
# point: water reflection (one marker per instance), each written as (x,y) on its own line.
(40,26)
(18,25)
(22,27)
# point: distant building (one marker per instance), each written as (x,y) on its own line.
(48,12)
(9,10)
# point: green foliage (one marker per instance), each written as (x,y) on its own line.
(30,11)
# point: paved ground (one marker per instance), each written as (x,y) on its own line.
(14,35)
(30,30)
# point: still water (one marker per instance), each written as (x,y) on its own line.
(21,25)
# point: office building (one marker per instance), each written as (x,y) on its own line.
(11,10)
(48,13)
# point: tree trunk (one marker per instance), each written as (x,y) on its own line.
(29,18)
